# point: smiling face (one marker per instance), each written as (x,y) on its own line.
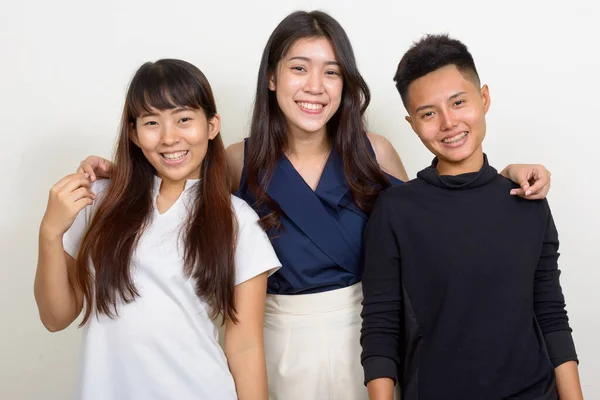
(175,141)
(447,111)
(308,85)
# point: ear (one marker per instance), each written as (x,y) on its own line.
(133,134)
(411,122)
(272,85)
(487,100)
(214,126)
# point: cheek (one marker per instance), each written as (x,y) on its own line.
(288,83)
(427,132)
(473,117)
(148,139)
(197,138)
(334,90)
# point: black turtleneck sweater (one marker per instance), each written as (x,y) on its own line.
(462,298)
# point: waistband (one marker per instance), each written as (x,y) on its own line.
(314,303)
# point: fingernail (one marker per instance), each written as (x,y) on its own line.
(527,193)
(86,175)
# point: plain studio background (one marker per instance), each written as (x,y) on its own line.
(65,67)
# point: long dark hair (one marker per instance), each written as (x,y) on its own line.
(346,129)
(210,234)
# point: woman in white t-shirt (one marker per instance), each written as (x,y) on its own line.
(155,254)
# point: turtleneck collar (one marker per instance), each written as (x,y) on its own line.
(463,181)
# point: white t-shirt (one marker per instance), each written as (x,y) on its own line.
(163,345)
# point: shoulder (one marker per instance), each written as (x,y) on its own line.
(387,157)
(412,188)
(243,212)
(100,186)
(235,159)
(381,145)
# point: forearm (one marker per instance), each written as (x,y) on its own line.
(567,381)
(54,294)
(249,372)
(381,389)
(382,317)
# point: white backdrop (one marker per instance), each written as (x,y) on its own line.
(65,66)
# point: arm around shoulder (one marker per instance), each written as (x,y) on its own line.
(387,156)
(235,160)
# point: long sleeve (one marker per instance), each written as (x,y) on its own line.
(382,304)
(549,302)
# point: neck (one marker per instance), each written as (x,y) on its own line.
(171,189)
(303,145)
(473,163)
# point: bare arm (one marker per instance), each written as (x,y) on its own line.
(381,389)
(235,159)
(567,381)
(57,295)
(244,345)
(387,157)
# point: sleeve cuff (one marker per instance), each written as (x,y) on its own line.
(380,367)
(561,347)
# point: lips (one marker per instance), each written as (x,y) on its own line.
(175,156)
(310,106)
(455,138)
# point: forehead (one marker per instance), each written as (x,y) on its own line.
(438,85)
(318,48)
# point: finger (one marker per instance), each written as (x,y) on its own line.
(82,203)
(541,193)
(81,193)
(517,192)
(539,196)
(105,168)
(77,181)
(89,169)
(539,185)
(60,184)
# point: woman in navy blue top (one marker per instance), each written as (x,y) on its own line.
(312,172)
(321,230)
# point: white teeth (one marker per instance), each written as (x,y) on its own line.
(310,106)
(455,139)
(175,156)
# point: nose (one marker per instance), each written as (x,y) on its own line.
(314,82)
(447,120)
(170,135)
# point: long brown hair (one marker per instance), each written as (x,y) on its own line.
(346,129)
(210,233)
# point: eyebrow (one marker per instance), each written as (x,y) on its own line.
(308,60)
(455,95)
(174,111)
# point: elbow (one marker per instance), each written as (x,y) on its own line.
(54,324)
